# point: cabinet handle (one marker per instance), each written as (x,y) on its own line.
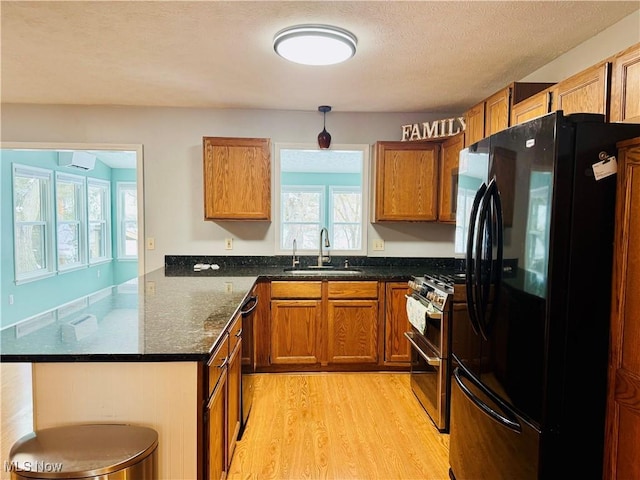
(239,333)
(224,362)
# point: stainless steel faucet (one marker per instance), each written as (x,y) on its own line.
(294,261)
(321,257)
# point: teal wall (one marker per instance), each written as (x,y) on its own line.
(41,295)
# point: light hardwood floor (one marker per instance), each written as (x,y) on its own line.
(339,426)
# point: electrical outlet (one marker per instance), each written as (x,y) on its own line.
(228,243)
(10,299)
(228,287)
(378,244)
(151,243)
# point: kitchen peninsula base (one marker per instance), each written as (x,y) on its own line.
(164,396)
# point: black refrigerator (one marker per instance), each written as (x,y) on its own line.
(534,227)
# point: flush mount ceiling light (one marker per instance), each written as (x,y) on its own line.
(315,44)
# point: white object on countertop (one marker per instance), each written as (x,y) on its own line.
(205,266)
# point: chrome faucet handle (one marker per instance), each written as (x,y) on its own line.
(294,261)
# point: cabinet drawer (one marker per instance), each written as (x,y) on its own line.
(352,289)
(296,289)
(235,333)
(217,364)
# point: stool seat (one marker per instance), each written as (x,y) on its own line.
(83,451)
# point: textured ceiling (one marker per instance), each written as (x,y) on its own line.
(412,56)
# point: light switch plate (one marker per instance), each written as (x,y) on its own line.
(378,244)
(228,243)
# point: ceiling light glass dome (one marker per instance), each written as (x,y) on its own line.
(315,44)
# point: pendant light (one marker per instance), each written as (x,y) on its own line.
(324,137)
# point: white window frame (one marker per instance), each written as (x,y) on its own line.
(47,221)
(105,222)
(365,150)
(122,187)
(80,222)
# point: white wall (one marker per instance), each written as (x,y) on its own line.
(172,143)
(172,140)
(608,42)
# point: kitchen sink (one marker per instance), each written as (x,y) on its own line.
(322,271)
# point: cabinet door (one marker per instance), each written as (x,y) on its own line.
(234,382)
(295,331)
(496,112)
(448,183)
(397,349)
(625,86)
(352,331)
(623,402)
(237,178)
(534,106)
(216,425)
(585,92)
(406,181)
(475,124)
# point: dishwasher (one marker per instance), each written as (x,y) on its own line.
(247,311)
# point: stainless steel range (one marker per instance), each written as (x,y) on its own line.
(430,311)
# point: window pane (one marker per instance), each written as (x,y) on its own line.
(347,207)
(347,236)
(131,238)
(300,207)
(68,244)
(97,241)
(66,200)
(306,235)
(130,204)
(30,249)
(96,203)
(29,194)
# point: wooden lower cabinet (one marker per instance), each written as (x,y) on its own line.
(324,326)
(234,384)
(622,431)
(352,335)
(216,444)
(223,408)
(397,349)
(295,331)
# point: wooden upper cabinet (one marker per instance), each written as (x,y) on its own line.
(584,92)
(448,182)
(237,178)
(623,393)
(406,181)
(625,86)
(532,107)
(496,111)
(474,118)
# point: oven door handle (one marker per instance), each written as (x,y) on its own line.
(433,361)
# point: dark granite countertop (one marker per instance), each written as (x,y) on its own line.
(178,314)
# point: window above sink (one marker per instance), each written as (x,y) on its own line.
(321,188)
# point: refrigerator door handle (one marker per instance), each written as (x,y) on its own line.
(510,423)
(471,303)
(484,238)
(491,220)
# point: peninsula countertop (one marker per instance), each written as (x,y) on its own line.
(174,314)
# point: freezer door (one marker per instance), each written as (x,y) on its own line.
(488,441)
